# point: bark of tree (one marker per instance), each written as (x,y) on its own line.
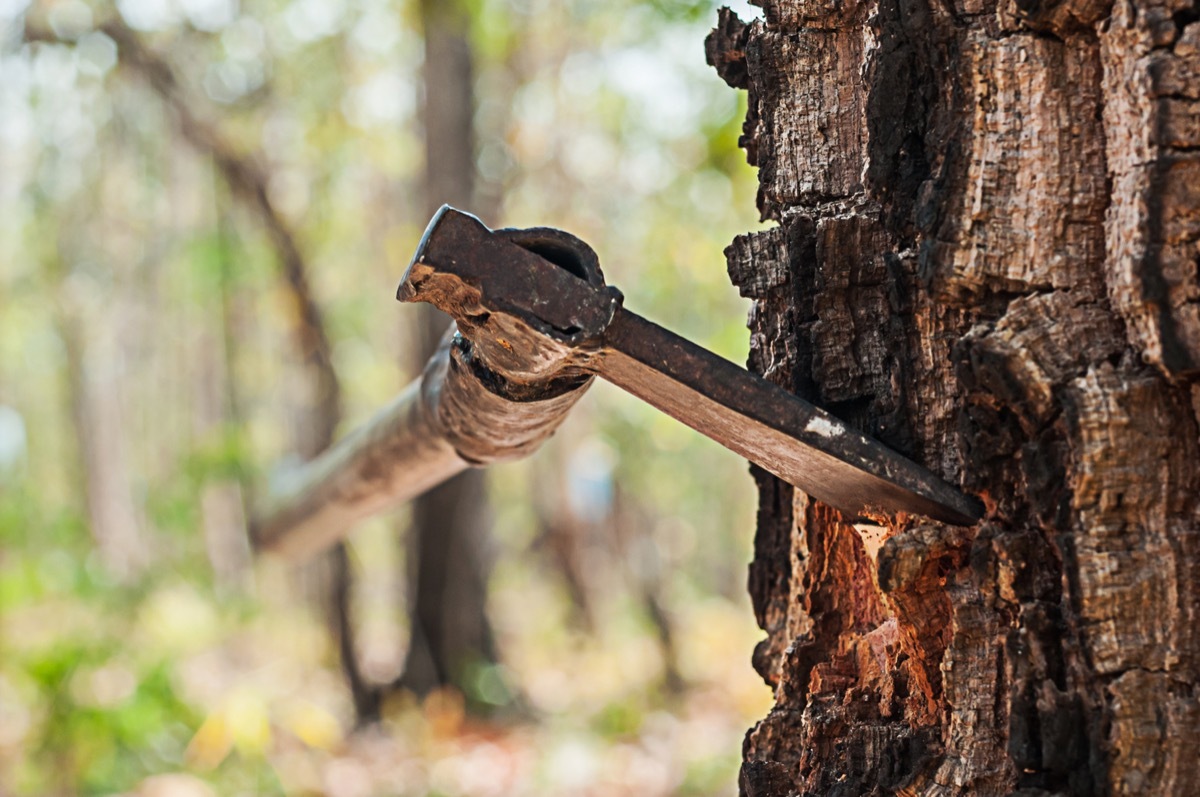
(986,256)
(448,546)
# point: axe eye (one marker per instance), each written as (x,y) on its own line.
(559,255)
(560,248)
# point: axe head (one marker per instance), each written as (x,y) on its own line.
(532,301)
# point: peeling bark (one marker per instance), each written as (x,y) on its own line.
(986,255)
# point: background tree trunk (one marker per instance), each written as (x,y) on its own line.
(448,549)
(986,256)
(93,358)
(224,504)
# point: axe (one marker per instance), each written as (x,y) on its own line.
(535,323)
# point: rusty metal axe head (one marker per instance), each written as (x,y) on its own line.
(532,301)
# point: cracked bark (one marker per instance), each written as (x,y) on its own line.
(986,255)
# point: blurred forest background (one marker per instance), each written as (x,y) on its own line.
(205,207)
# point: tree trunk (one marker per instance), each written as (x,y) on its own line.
(986,256)
(448,547)
(223,501)
(93,357)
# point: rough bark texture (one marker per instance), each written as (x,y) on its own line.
(986,256)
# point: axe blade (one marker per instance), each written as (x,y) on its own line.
(797,441)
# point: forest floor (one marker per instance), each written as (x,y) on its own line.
(174,692)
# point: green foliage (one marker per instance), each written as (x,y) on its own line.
(619,720)
(105,721)
(684,10)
